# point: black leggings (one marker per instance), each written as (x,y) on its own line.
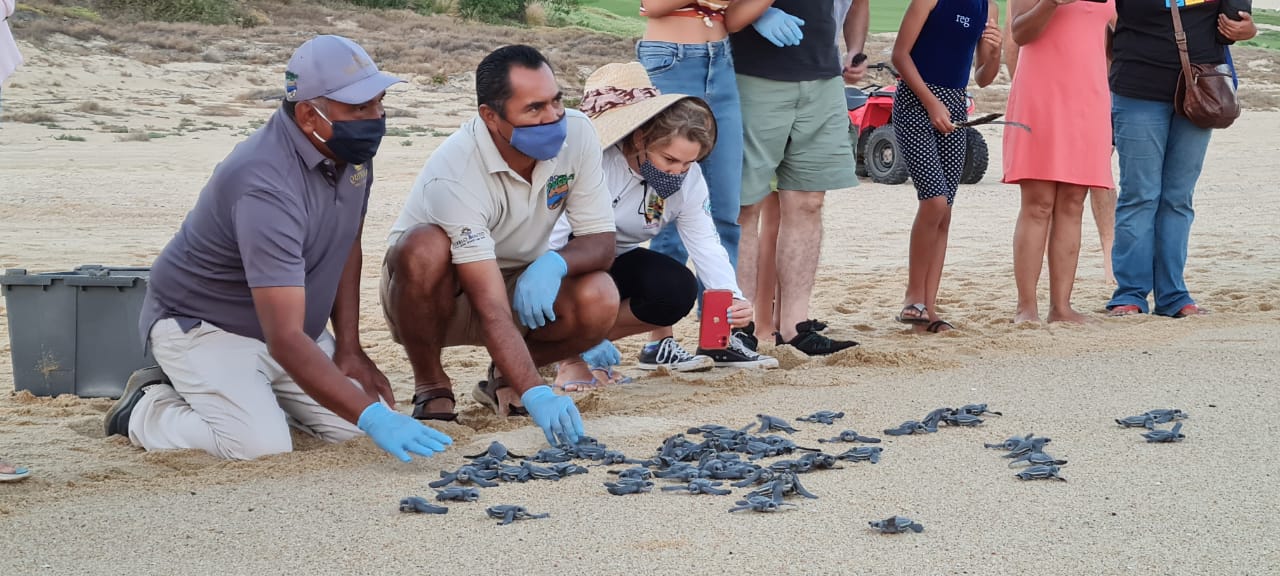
(661,290)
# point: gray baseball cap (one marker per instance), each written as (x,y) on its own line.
(335,68)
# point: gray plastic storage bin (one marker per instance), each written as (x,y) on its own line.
(75,332)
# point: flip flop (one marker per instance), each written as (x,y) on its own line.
(923,317)
(936,326)
(487,392)
(19,473)
(420,405)
(1190,310)
(1124,310)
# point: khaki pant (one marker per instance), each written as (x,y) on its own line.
(464,328)
(229,398)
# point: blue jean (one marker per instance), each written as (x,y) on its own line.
(1161,154)
(705,71)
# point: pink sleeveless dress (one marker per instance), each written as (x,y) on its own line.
(1060,90)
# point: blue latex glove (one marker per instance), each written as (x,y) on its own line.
(399,434)
(779,27)
(602,355)
(536,290)
(556,415)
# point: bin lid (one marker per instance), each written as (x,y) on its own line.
(89,275)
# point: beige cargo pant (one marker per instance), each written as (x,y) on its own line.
(229,398)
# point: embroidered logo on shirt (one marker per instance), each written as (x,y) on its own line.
(360,176)
(467,238)
(963,20)
(558,190)
(1185,3)
(290,85)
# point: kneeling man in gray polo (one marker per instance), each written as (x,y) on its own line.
(238,301)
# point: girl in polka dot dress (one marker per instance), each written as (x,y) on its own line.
(936,47)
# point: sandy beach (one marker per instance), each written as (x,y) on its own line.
(1207,505)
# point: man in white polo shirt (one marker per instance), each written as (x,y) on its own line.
(468,263)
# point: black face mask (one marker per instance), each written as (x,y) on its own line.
(355,141)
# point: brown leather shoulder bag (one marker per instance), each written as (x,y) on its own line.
(1205,95)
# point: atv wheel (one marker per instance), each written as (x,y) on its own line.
(860,151)
(975,157)
(884,161)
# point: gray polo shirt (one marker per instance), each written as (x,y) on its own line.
(275,212)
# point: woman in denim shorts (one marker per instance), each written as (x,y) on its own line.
(685,50)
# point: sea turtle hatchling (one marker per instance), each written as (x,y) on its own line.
(1040,472)
(862,454)
(551,456)
(977,410)
(514,474)
(458,494)
(566,469)
(961,419)
(419,505)
(540,473)
(495,450)
(700,486)
(1171,435)
(773,424)
(1009,444)
(850,436)
(1037,459)
(509,513)
(1028,445)
(908,427)
(759,504)
(466,475)
(896,525)
(1163,415)
(637,473)
(827,417)
(934,418)
(628,486)
(1139,421)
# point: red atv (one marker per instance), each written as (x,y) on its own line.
(877,152)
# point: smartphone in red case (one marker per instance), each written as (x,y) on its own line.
(714,331)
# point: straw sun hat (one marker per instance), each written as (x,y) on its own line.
(618,98)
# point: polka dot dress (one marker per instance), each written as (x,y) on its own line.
(934,160)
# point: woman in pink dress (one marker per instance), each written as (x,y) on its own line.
(1060,91)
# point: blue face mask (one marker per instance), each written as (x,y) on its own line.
(354,141)
(664,183)
(540,141)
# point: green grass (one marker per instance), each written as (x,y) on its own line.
(1268,39)
(1271,17)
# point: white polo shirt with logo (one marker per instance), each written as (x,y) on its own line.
(491,213)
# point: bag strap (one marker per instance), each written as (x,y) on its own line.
(1180,37)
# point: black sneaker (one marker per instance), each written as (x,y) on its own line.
(117,418)
(670,354)
(748,336)
(738,355)
(809,341)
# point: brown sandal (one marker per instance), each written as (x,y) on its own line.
(420,404)
(496,394)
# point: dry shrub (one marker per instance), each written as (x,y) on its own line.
(1259,99)
(535,14)
(189,101)
(93,107)
(220,110)
(399,113)
(30,117)
(260,95)
(134,136)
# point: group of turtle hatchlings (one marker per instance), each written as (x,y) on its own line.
(731,456)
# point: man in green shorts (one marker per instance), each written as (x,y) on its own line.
(791,80)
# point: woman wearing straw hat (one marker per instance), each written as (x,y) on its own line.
(652,143)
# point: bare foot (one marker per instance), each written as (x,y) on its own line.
(1023,316)
(1069,316)
(574,375)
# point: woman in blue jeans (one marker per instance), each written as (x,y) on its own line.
(1160,151)
(685,50)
